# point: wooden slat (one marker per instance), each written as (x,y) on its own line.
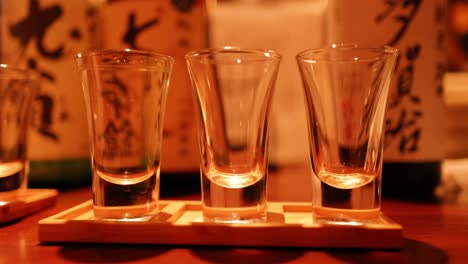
(71,213)
(171,212)
(28,202)
(275,213)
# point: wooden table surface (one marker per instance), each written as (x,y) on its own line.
(434,233)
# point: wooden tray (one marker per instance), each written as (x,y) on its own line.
(14,206)
(180,223)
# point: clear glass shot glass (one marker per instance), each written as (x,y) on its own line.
(346,88)
(125,93)
(233,89)
(18,89)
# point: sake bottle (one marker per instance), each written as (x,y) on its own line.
(173,28)
(414,125)
(44,36)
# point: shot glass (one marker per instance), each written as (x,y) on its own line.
(346,89)
(233,90)
(18,89)
(125,94)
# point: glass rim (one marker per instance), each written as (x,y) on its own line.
(310,54)
(262,54)
(14,71)
(81,56)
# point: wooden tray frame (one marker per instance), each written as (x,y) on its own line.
(29,201)
(179,223)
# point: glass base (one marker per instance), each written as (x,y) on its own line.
(337,216)
(231,220)
(134,213)
(237,215)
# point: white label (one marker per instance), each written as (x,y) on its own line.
(45,36)
(172,28)
(415,111)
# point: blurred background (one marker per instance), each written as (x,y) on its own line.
(44,35)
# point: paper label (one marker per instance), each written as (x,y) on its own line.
(44,36)
(172,28)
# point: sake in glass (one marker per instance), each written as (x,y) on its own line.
(125,94)
(18,89)
(346,89)
(233,90)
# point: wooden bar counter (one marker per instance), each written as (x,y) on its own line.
(434,233)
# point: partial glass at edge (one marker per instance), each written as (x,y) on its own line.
(233,89)
(125,94)
(346,89)
(18,89)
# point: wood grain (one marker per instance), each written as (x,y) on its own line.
(24,203)
(179,222)
(433,233)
